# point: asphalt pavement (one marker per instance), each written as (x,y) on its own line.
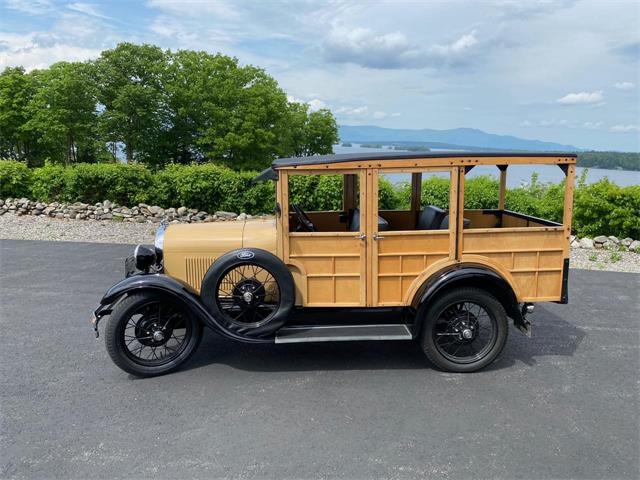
(564,404)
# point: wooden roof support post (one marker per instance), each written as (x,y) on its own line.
(568,205)
(349,188)
(503,186)
(416,192)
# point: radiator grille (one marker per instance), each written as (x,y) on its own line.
(196,269)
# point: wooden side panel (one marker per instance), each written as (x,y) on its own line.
(402,256)
(480,220)
(333,264)
(533,257)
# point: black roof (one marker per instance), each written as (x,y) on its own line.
(270,173)
(347,157)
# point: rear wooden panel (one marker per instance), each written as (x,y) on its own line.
(533,256)
(402,256)
(334,266)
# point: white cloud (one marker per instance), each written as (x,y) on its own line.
(460,46)
(582,98)
(624,85)
(196,8)
(87,9)
(364,47)
(625,129)
(524,9)
(467,109)
(553,123)
(34,57)
(592,125)
(32,7)
(316,104)
(352,111)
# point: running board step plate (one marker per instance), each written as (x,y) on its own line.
(342,333)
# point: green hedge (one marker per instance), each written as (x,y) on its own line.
(599,208)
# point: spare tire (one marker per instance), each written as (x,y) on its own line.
(249,291)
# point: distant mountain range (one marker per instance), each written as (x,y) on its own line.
(457,138)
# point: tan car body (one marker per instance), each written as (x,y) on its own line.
(338,268)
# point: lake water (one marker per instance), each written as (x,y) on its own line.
(517,174)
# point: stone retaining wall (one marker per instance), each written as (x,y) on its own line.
(143,213)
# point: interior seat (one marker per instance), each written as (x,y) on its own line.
(430,218)
(466,223)
(354,222)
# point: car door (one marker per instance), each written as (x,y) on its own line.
(330,265)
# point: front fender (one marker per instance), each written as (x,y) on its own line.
(170,286)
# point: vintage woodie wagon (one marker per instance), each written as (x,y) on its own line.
(349,270)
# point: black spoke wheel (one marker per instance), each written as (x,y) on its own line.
(465,330)
(150,334)
(248,295)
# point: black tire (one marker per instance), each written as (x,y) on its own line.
(453,314)
(222,288)
(129,319)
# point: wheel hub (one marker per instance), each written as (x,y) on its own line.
(247,297)
(158,336)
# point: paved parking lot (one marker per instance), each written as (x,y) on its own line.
(564,404)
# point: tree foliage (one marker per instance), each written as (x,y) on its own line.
(139,103)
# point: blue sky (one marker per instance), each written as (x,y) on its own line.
(566,71)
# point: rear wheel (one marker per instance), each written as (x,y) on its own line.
(465,330)
(149,334)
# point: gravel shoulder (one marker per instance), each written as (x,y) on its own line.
(27,227)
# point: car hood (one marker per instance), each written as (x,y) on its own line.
(216,238)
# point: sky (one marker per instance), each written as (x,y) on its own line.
(566,71)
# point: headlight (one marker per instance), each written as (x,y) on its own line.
(145,257)
(159,241)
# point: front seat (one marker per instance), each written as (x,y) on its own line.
(466,223)
(430,218)
(354,222)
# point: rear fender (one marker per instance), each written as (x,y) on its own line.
(469,275)
(169,286)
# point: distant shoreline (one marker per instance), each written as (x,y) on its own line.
(619,161)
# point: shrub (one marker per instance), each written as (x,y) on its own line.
(604,208)
(94,182)
(15,179)
(48,183)
(211,187)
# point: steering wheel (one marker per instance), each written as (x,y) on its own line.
(304,223)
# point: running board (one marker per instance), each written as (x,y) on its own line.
(342,333)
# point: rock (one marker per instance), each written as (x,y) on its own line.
(635,246)
(575,243)
(614,240)
(107,204)
(586,243)
(626,241)
(1,202)
(154,209)
(242,217)
(182,211)
(222,214)
(600,239)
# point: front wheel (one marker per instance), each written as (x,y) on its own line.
(150,334)
(465,330)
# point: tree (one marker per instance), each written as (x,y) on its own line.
(62,113)
(310,133)
(131,96)
(16,90)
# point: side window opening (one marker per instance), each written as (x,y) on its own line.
(414,201)
(329,201)
(514,196)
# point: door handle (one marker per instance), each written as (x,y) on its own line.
(377,237)
(362,236)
